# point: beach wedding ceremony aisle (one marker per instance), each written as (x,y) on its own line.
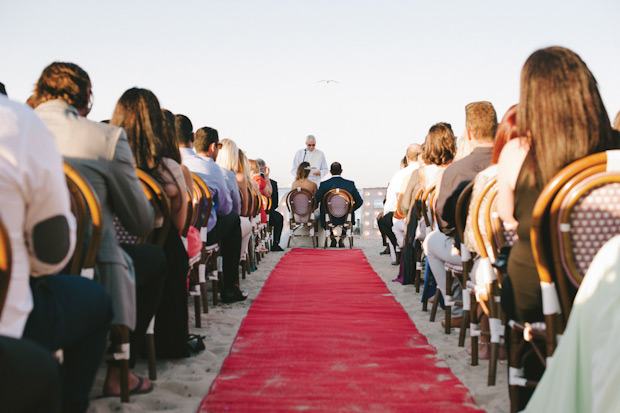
(325,334)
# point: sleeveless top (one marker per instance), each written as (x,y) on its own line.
(521,267)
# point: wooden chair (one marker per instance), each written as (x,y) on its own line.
(338,206)
(575,214)
(486,291)
(426,208)
(6,260)
(301,206)
(419,256)
(87,210)
(459,273)
(161,205)
(208,263)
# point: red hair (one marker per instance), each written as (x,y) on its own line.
(506,130)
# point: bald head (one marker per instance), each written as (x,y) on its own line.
(412,152)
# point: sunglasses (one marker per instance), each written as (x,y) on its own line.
(311,144)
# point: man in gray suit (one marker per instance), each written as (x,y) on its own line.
(101,153)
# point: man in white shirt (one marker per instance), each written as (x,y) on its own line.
(56,311)
(394,191)
(316,159)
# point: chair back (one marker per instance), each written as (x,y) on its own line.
(338,204)
(300,203)
(462,207)
(575,214)
(6,258)
(191,212)
(161,204)
(202,197)
(417,204)
(427,206)
(86,208)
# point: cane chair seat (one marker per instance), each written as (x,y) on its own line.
(338,205)
(301,205)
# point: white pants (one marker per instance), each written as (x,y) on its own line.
(399,231)
(439,250)
(246,231)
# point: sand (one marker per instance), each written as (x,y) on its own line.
(182,384)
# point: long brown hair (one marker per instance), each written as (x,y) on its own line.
(138,112)
(506,130)
(560,111)
(303,170)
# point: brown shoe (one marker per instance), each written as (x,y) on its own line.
(455,322)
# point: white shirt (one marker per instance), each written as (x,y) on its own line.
(393,189)
(32,189)
(316,159)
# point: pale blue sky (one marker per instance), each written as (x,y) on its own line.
(250,68)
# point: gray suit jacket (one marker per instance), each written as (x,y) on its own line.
(101,153)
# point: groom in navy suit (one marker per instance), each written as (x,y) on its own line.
(337,181)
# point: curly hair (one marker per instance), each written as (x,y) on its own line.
(440,145)
(65,81)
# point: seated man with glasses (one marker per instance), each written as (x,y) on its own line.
(316,159)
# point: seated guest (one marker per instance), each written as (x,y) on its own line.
(441,244)
(393,193)
(55,311)
(224,226)
(139,114)
(275,218)
(228,160)
(302,180)
(101,153)
(337,181)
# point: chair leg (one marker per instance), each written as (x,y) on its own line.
(197,312)
(474,332)
(464,325)
(448,318)
(150,350)
(435,304)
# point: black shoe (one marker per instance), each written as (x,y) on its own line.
(333,244)
(276,247)
(341,244)
(386,251)
(234,297)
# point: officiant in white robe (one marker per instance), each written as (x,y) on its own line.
(316,159)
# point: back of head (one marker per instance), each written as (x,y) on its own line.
(481,120)
(139,113)
(335,168)
(65,81)
(413,151)
(204,137)
(303,170)
(172,148)
(244,165)
(228,156)
(560,110)
(183,128)
(506,130)
(440,145)
(254,169)
(261,165)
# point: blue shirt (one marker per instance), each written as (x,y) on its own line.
(212,174)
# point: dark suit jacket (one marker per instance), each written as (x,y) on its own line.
(275,198)
(338,182)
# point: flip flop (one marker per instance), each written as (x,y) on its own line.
(136,390)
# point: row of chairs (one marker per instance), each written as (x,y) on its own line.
(576,213)
(302,204)
(205,266)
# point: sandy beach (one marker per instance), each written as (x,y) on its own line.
(182,384)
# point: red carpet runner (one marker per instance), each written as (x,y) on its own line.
(326,335)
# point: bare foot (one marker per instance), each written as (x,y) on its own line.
(112,383)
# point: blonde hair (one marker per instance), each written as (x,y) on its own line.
(228,156)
